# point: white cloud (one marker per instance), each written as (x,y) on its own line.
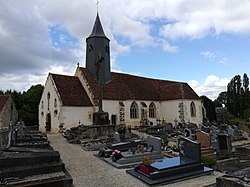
(26,47)
(169,48)
(211,87)
(208,55)
(224,60)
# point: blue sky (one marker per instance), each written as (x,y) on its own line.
(204,43)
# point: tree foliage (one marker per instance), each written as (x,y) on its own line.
(27,103)
(238,96)
(210,108)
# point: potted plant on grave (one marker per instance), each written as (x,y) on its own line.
(146,167)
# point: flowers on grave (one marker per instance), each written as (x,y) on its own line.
(116,155)
(147,161)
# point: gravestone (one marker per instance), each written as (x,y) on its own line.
(190,151)
(205,128)
(224,148)
(116,137)
(168,127)
(213,134)
(168,170)
(223,128)
(230,131)
(188,133)
(154,142)
(237,132)
(203,138)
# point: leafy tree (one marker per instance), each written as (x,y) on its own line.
(221,100)
(210,108)
(27,103)
(238,97)
(30,100)
(234,96)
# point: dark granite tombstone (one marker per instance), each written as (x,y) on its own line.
(190,151)
(187,165)
(168,127)
(224,148)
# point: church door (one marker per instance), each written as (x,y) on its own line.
(48,122)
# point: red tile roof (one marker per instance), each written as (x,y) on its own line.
(71,90)
(124,86)
(3,100)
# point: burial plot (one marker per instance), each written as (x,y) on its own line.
(133,152)
(187,165)
(30,164)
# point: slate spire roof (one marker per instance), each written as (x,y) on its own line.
(97,29)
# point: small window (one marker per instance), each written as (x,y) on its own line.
(55,103)
(42,105)
(48,97)
(55,113)
(192,109)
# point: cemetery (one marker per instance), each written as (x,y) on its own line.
(27,159)
(169,154)
(154,161)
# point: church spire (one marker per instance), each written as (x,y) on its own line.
(98,47)
(97,29)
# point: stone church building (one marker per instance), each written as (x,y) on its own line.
(68,101)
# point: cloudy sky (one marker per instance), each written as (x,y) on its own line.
(204,43)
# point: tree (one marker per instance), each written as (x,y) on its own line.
(238,97)
(234,96)
(210,108)
(221,100)
(30,101)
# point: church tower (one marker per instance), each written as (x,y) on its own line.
(98,52)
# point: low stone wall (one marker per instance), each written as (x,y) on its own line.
(4,138)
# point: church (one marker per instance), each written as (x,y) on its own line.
(68,101)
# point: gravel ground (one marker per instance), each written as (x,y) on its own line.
(88,170)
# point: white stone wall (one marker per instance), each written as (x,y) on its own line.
(60,115)
(170,111)
(167,110)
(47,106)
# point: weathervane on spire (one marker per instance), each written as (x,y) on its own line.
(97,4)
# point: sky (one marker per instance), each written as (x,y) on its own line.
(204,43)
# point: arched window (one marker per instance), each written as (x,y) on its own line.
(134,111)
(152,110)
(192,109)
(48,97)
(55,103)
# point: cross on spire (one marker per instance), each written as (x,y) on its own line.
(97,4)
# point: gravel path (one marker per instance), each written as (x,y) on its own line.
(88,170)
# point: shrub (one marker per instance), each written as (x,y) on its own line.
(208,161)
